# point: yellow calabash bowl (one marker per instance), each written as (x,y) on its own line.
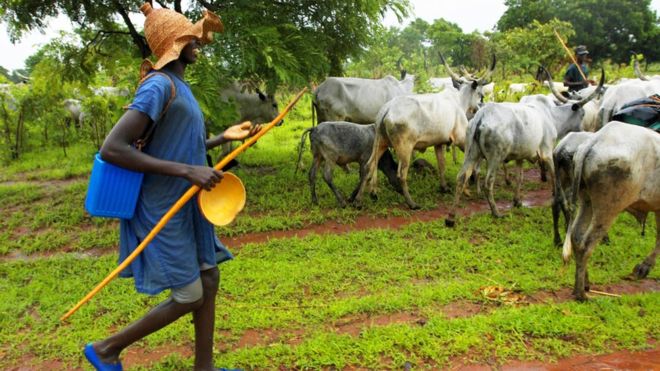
(222,203)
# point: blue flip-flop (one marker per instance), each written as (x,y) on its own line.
(94,359)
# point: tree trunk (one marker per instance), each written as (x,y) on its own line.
(137,38)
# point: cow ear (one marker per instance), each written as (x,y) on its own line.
(475,84)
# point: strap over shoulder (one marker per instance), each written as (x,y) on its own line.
(140,143)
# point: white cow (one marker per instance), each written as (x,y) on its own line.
(501,132)
(618,95)
(110,91)
(415,122)
(617,169)
(357,100)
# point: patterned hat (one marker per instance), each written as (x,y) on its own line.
(581,50)
(168,32)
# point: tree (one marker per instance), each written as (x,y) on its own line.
(523,49)
(277,42)
(609,28)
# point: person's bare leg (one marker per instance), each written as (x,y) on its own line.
(204,319)
(162,315)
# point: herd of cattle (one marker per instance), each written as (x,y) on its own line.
(598,169)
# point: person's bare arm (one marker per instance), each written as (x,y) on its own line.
(236,132)
(117,149)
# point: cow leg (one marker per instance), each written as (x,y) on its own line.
(372,175)
(642,269)
(363,173)
(312,178)
(404,154)
(517,201)
(507,180)
(327,176)
(440,157)
(555,219)
(462,179)
(388,166)
(490,184)
(588,229)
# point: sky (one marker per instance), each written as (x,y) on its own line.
(470,15)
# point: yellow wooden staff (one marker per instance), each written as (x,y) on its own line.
(179,204)
(570,55)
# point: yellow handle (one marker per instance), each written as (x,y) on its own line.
(570,55)
(178,205)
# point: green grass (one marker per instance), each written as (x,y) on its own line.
(300,287)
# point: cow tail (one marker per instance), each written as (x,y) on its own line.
(578,161)
(314,111)
(301,147)
(473,150)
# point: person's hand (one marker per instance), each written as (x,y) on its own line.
(241,131)
(203,176)
(592,82)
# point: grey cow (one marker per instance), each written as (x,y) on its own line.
(340,142)
(503,132)
(564,171)
(615,170)
(256,107)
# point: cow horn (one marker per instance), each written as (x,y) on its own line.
(638,72)
(464,72)
(486,79)
(451,73)
(595,92)
(559,97)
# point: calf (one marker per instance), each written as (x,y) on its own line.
(340,142)
(616,169)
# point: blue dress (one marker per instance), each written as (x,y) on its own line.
(188,240)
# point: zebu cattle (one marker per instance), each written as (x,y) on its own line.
(74,108)
(441,83)
(341,143)
(617,169)
(501,132)
(563,155)
(256,107)
(357,100)
(111,91)
(618,95)
(590,119)
(414,122)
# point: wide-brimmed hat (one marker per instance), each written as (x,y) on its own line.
(168,32)
(581,50)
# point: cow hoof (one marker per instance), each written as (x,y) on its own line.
(342,205)
(517,203)
(414,206)
(606,240)
(497,215)
(559,242)
(450,223)
(374,197)
(642,270)
(445,189)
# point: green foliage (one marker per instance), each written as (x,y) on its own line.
(522,50)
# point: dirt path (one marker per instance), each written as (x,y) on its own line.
(535,198)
